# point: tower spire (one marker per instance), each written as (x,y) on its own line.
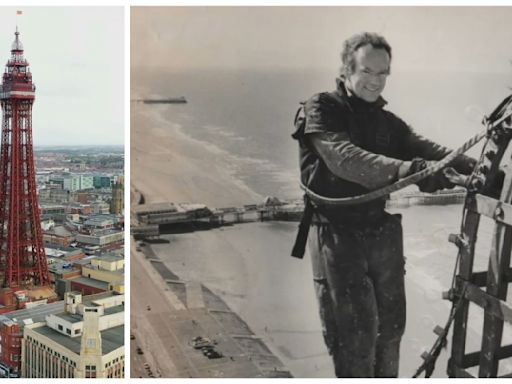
(17,46)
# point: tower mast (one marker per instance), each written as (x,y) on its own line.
(22,256)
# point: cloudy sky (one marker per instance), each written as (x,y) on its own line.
(76,56)
(467,38)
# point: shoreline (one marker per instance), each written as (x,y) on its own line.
(168,165)
(164,170)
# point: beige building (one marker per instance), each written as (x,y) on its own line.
(107,268)
(84,341)
(101,237)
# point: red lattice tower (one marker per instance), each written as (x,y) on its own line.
(22,256)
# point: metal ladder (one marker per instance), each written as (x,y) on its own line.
(486,289)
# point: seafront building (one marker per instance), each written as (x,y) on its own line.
(86,340)
(11,334)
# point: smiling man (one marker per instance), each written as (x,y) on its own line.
(350,145)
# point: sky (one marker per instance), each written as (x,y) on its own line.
(76,56)
(467,38)
(452,63)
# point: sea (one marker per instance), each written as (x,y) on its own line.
(248,114)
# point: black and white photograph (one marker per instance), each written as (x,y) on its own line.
(320,192)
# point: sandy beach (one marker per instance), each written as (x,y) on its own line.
(167,165)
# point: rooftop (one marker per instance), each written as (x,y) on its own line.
(61,267)
(38,313)
(155,207)
(119,271)
(59,230)
(91,282)
(112,339)
(101,232)
(109,257)
(70,317)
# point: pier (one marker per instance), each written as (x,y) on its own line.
(152,218)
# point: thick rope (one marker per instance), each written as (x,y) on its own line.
(412,179)
(402,183)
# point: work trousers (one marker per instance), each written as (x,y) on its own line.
(358,272)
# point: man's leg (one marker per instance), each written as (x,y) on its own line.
(352,300)
(386,267)
(323,294)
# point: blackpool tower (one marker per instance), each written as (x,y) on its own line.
(23,267)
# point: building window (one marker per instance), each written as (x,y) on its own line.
(60,327)
(90,371)
(68,331)
(77,331)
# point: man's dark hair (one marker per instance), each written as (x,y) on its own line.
(353,43)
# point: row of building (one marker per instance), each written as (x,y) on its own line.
(74,181)
(110,195)
(81,335)
(78,337)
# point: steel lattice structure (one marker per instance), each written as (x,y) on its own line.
(22,255)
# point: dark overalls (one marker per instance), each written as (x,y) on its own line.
(349,147)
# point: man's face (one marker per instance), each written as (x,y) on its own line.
(368,79)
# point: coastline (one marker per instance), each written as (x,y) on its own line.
(168,165)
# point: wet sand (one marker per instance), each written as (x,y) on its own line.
(167,165)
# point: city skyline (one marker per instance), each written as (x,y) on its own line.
(76,57)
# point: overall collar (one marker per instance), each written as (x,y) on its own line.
(355,102)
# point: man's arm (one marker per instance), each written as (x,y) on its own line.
(419,146)
(352,163)
(325,135)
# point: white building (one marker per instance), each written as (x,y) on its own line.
(84,341)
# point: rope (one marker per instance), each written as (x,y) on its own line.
(406,181)
(412,179)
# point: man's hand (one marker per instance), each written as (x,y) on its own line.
(455,177)
(404,168)
(428,184)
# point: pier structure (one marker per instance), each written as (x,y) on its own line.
(151,217)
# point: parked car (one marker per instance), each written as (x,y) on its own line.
(200,342)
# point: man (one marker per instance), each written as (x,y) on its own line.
(350,145)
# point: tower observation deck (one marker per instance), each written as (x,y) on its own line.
(23,267)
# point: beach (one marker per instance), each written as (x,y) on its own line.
(168,165)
